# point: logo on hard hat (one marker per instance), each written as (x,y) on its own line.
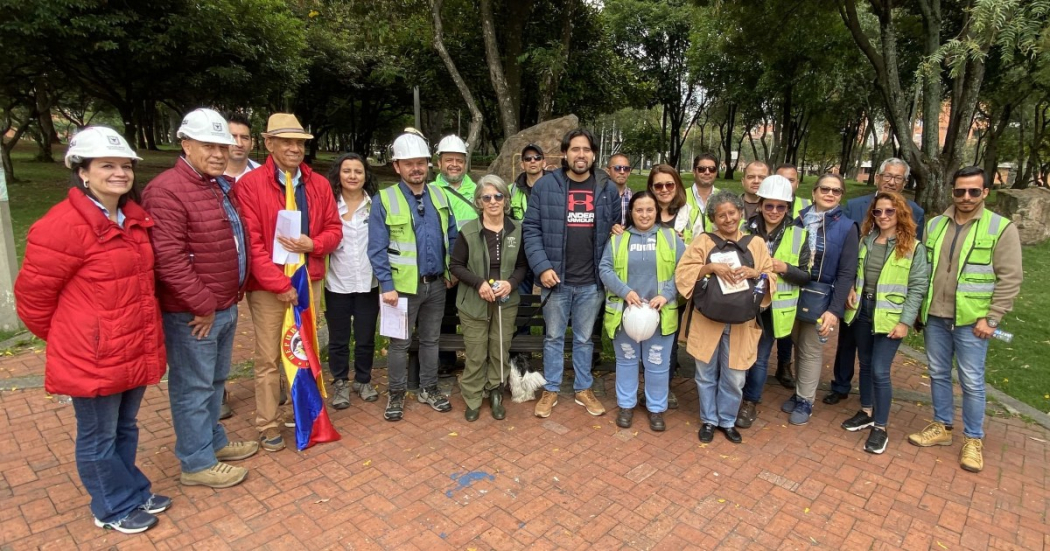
(113,140)
(73,142)
(216,126)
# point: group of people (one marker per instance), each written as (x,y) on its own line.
(123,287)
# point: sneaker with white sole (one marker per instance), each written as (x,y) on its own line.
(859,421)
(395,406)
(935,434)
(587,399)
(156,504)
(137,521)
(877,440)
(432,396)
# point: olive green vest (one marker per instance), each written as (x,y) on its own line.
(666,256)
(890,291)
(468,301)
(404,265)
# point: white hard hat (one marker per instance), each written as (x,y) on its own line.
(775,187)
(452,144)
(410,146)
(95,142)
(206,125)
(640,322)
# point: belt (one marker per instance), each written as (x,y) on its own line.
(430,278)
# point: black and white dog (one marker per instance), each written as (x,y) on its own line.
(524,380)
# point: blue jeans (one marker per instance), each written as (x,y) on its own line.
(583,304)
(756,376)
(655,355)
(719,387)
(944,340)
(107,440)
(196,379)
(876,354)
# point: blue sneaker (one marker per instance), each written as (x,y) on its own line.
(137,521)
(789,405)
(156,504)
(803,410)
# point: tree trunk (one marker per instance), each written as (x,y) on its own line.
(8,144)
(727,141)
(44,121)
(991,143)
(552,75)
(507,113)
(476,118)
(513,29)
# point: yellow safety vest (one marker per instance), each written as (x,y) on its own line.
(666,257)
(404,267)
(890,291)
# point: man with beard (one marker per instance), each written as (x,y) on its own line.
(411,230)
(570,216)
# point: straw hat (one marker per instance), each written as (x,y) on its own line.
(285,125)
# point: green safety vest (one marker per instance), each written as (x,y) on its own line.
(404,266)
(694,212)
(519,202)
(976,275)
(462,206)
(666,256)
(890,291)
(785,299)
(468,301)
(798,204)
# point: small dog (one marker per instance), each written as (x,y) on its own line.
(524,381)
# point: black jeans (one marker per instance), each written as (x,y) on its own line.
(448,359)
(343,310)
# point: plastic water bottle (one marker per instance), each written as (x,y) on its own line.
(823,339)
(495,286)
(760,287)
(1003,335)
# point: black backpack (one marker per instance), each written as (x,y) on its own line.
(735,307)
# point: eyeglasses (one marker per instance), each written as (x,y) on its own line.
(707,169)
(878,213)
(974,192)
(663,186)
(621,168)
(497,197)
(892,178)
(770,207)
(836,191)
(532,158)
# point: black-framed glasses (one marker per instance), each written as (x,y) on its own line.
(770,207)
(878,213)
(707,169)
(836,191)
(531,158)
(487,198)
(621,168)
(663,186)
(974,192)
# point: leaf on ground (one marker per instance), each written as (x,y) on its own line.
(367,463)
(453,434)
(1040,440)
(325,500)
(806,511)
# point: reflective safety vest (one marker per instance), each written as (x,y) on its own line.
(891,290)
(694,212)
(404,265)
(460,200)
(785,299)
(976,274)
(798,204)
(666,256)
(519,202)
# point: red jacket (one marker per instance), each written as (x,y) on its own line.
(260,196)
(193,241)
(86,287)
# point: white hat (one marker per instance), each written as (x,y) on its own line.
(452,144)
(775,187)
(206,125)
(640,322)
(95,142)
(410,146)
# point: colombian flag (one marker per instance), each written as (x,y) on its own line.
(299,353)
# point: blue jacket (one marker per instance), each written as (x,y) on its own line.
(857,208)
(543,229)
(838,245)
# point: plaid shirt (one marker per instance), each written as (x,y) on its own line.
(624,200)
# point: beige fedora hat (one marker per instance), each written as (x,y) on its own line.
(285,125)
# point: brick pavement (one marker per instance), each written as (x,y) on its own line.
(434,481)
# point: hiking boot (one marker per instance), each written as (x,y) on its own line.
(366,391)
(395,406)
(341,395)
(672,400)
(747,414)
(271,440)
(546,404)
(971,459)
(136,521)
(656,422)
(935,434)
(431,395)
(789,404)
(220,475)
(236,451)
(784,376)
(156,504)
(877,440)
(624,418)
(225,411)
(803,410)
(587,399)
(859,421)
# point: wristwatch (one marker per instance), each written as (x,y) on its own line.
(992,323)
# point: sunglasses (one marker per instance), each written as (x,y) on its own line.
(532,158)
(768,207)
(974,192)
(707,169)
(621,168)
(836,191)
(878,213)
(420,209)
(663,186)
(497,197)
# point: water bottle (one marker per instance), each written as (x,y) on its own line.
(760,287)
(1003,335)
(495,286)
(823,339)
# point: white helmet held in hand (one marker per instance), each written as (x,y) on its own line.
(640,322)
(95,142)
(452,144)
(775,187)
(410,146)
(206,125)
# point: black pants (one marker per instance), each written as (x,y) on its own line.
(360,310)
(448,359)
(784,346)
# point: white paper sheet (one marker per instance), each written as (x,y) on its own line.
(289,224)
(733,260)
(393,320)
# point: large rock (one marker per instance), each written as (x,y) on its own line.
(546,134)
(1029,209)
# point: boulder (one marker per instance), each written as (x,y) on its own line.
(546,134)
(1029,209)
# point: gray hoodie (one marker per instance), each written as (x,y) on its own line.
(641,266)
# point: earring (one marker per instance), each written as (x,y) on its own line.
(85,184)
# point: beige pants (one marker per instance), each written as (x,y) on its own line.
(267,319)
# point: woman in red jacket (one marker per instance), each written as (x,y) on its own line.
(86,287)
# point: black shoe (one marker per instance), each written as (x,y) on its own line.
(499,412)
(731,434)
(472,414)
(877,440)
(395,406)
(624,418)
(859,421)
(784,376)
(136,521)
(707,432)
(656,422)
(834,397)
(156,504)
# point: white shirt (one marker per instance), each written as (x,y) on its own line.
(252,165)
(349,270)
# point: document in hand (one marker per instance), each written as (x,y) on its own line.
(393,320)
(733,260)
(289,224)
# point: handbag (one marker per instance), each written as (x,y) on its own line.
(814,298)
